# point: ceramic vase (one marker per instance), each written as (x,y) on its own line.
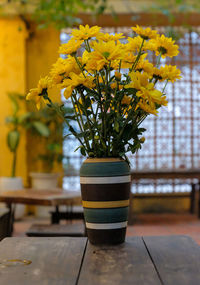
(105,189)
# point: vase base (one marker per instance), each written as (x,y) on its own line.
(106,237)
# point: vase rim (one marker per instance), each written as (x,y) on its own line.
(103,159)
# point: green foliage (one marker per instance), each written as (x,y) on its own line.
(13,140)
(59,13)
(51,141)
(17,122)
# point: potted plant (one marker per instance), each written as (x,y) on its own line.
(17,122)
(50,151)
(113,88)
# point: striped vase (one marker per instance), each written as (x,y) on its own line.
(105,188)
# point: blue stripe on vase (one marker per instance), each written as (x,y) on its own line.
(112,215)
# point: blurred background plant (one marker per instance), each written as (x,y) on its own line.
(50,151)
(59,13)
(18,122)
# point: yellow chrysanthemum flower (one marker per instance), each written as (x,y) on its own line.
(85,32)
(167,72)
(128,60)
(104,53)
(170,72)
(152,95)
(44,83)
(85,57)
(36,94)
(146,66)
(147,108)
(164,46)
(70,47)
(75,80)
(146,34)
(107,37)
(62,68)
(108,50)
(134,45)
(150,99)
(138,80)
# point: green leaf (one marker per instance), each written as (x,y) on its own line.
(41,128)
(13,140)
(11,120)
(70,117)
(116,126)
(15,105)
(24,117)
(83,152)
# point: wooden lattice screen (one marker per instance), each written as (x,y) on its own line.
(172,138)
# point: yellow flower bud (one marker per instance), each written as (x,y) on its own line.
(142,140)
(118,75)
(113,85)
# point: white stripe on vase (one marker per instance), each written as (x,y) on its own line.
(105,180)
(106,226)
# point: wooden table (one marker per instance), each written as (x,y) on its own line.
(39,197)
(163,260)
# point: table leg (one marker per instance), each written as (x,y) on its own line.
(199,200)
(55,216)
(11,219)
(192,198)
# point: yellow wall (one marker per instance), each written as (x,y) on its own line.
(24,58)
(12,78)
(42,52)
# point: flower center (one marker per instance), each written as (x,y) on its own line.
(106,54)
(162,50)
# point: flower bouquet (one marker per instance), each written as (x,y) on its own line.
(113,87)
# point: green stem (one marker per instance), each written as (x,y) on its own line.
(128,119)
(165,86)
(158,60)
(138,56)
(77,116)
(63,117)
(88,119)
(80,66)
(13,173)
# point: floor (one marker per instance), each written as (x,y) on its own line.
(144,224)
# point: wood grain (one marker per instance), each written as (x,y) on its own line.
(128,263)
(54,261)
(177,259)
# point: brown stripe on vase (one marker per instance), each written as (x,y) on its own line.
(113,236)
(105,192)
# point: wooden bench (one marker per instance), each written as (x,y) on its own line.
(54,230)
(71,213)
(185,176)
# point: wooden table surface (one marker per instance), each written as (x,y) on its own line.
(41,197)
(160,260)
